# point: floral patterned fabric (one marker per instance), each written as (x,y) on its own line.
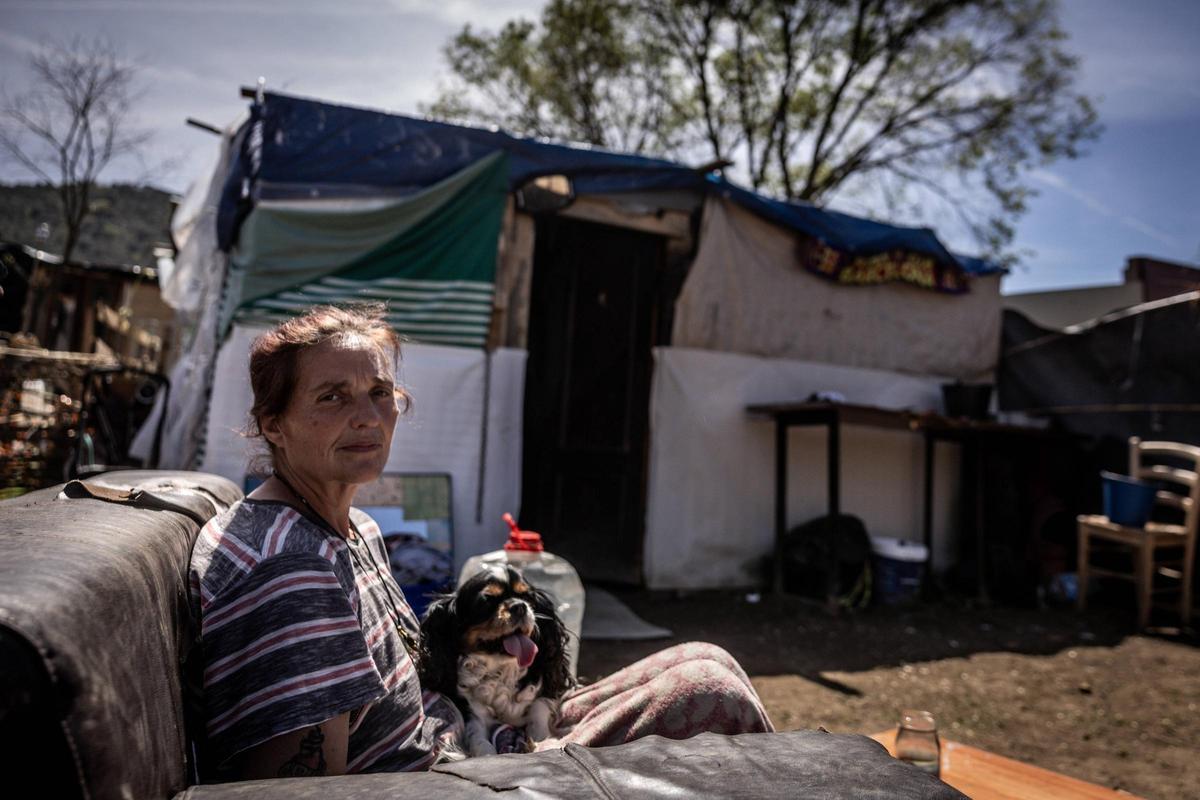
(892,265)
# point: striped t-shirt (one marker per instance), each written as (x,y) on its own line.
(297,627)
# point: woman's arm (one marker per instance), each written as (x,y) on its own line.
(308,752)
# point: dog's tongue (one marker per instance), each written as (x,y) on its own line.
(522,647)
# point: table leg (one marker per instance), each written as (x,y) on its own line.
(834,456)
(927,521)
(781,460)
(980,532)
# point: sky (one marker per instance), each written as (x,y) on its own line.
(1135,192)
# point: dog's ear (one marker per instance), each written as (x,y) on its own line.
(552,662)
(437,663)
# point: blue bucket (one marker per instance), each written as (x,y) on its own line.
(1127,501)
(899,568)
(420,595)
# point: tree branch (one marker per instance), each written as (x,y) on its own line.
(851,70)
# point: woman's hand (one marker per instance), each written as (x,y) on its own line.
(309,752)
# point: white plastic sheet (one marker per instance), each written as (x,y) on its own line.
(442,433)
(193,289)
(746,293)
(711,495)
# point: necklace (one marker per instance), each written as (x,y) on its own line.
(307,505)
(386,581)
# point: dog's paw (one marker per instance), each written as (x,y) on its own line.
(452,753)
(482,749)
(507,739)
(478,741)
(541,715)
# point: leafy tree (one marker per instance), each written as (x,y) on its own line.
(585,75)
(945,101)
(73,123)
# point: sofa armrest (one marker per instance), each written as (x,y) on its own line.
(95,625)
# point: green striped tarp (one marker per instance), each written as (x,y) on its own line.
(438,312)
(431,257)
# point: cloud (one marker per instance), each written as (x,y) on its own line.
(1139,58)
(1098,206)
(1149,230)
(18,43)
(477,13)
(262,7)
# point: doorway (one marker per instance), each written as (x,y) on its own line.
(587,394)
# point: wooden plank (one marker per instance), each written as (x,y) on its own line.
(847,414)
(946,428)
(1162,472)
(671,223)
(986,776)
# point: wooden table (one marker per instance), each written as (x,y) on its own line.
(832,416)
(986,776)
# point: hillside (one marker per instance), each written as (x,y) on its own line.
(126,221)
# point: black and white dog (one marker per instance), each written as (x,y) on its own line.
(498,649)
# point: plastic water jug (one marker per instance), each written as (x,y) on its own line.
(546,571)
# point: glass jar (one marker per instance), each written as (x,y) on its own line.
(917,741)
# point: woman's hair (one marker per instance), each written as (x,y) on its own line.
(275,356)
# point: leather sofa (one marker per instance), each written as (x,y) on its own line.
(95,638)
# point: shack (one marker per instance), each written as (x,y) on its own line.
(585,330)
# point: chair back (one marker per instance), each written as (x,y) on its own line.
(1181,473)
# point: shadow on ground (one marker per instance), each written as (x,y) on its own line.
(791,635)
(1081,694)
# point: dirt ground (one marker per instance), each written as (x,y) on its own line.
(1078,694)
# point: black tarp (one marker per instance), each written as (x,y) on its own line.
(1134,372)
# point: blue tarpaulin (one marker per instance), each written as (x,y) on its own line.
(294,147)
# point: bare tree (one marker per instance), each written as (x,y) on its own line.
(73,123)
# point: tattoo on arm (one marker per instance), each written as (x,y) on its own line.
(310,761)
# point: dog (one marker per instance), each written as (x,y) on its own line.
(497,647)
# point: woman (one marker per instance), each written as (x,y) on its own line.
(307,641)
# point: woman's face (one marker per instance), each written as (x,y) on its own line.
(339,421)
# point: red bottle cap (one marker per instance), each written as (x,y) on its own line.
(518,539)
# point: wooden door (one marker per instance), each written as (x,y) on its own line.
(587,394)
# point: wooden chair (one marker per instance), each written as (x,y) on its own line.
(1146,543)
